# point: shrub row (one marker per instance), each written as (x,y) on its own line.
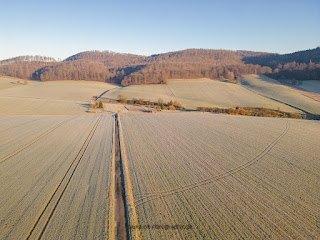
(250,111)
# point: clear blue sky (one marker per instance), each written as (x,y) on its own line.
(61,28)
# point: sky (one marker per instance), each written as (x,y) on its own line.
(62,28)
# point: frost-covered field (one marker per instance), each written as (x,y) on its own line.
(273,89)
(55,177)
(207,176)
(311,85)
(8,82)
(56,97)
(198,93)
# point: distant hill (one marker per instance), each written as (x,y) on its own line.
(23,59)
(110,59)
(129,69)
(273,60)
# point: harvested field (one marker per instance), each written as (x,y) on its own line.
(58,97)
(198,93)
(273,89)
(59,185)
(208,176)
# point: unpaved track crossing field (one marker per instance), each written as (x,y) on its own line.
(207,176)
(178,175)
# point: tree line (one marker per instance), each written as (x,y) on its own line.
(128,69)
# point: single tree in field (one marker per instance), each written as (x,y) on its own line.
(162,106)
(100,104)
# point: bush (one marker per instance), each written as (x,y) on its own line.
(250,111)
(140,101)
(122,99)
(171,107)
(134,100)
(177,104)
(100,104)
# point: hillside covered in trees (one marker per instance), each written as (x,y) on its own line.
(128,69)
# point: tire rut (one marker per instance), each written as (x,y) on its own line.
(9,155)
(151,197)
(51,205)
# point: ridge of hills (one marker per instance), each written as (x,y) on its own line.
(132,69)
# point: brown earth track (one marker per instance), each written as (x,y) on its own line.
(152,196)
(9,155)
(120,200)
(55,202)
(132,218)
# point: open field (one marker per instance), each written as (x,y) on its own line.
(9,82)
(207,176)
(311,85)
(185,175)
(273,89)
(56,97)
(56,183)
(198,93)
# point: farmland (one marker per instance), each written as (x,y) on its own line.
(311,85)
(273,89)
(69,175)
(199,93)
(9,82)
(55,182)
(223,177)
(58,97)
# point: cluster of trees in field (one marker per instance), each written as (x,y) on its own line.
(129,69)
(160,104)
(250,111)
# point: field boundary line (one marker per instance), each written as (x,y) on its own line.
(87,141)
(34,140)
(165,193)
(128,187)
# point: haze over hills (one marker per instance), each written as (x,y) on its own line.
(130,69)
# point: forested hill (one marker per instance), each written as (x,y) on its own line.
(110,59)
(130,69)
